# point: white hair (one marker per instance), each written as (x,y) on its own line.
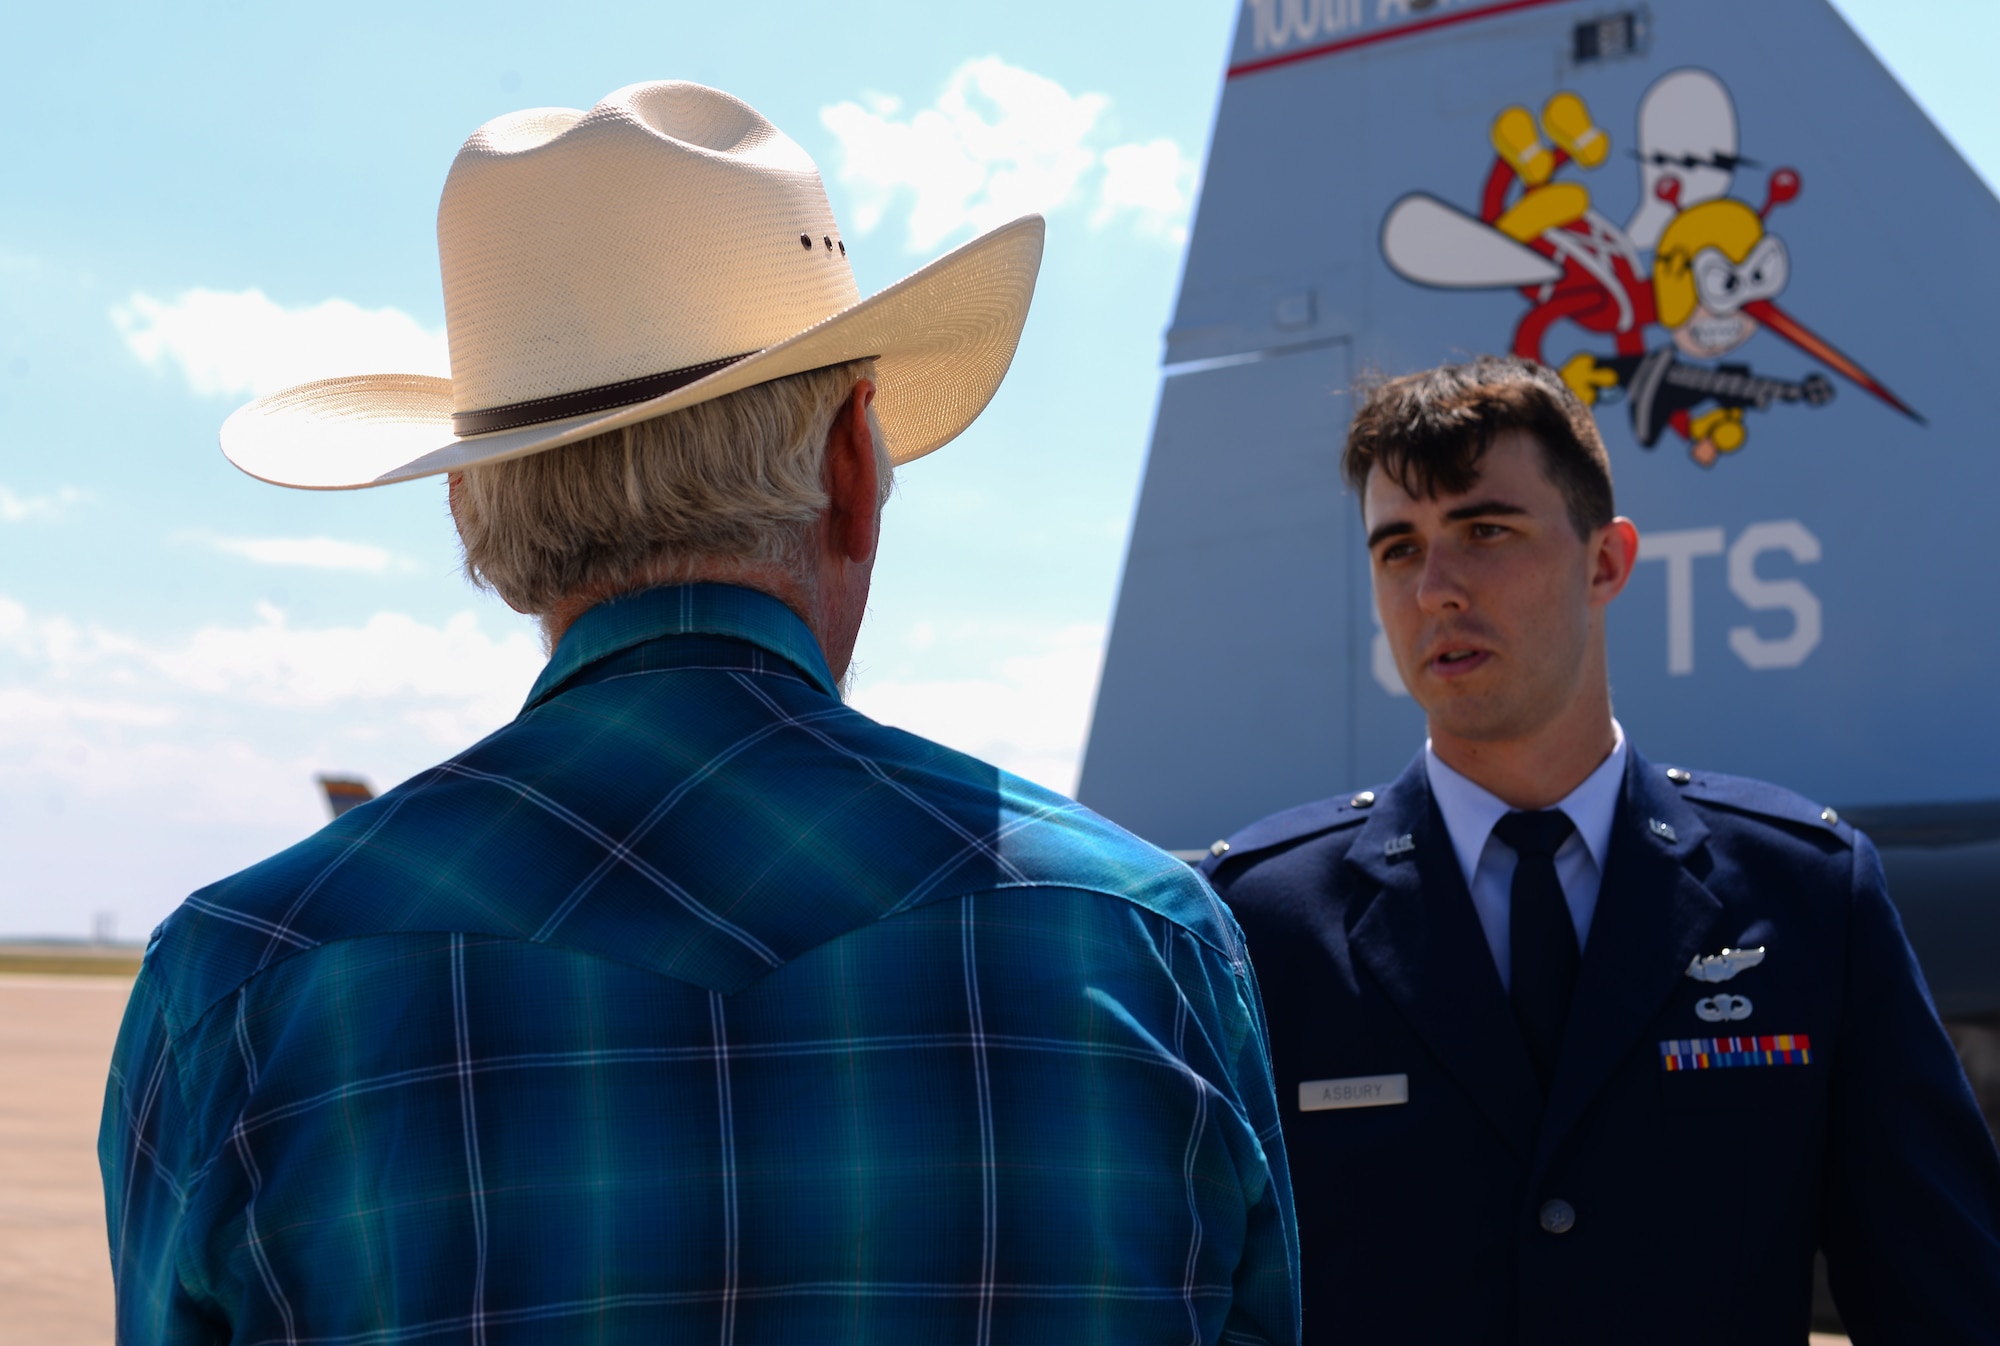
(735,479)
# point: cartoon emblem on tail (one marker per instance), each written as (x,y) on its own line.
(1693,261)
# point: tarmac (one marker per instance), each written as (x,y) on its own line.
(56,1035)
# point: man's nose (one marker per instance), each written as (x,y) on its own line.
(1440,588)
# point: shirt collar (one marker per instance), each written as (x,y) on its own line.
(1470,810)
(682,610)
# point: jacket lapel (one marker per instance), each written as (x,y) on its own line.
(1652,918)
(1414,929)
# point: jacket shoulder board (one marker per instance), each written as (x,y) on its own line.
(1759,799)
(1294,824)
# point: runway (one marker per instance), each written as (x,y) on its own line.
(56,1034)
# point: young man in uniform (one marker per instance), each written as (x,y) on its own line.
(1573,1047)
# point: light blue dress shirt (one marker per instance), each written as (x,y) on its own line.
(1470,811)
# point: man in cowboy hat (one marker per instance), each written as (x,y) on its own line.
(692,1002)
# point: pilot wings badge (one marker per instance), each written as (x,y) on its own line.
(1722,966)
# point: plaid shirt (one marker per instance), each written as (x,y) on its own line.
(694,1005)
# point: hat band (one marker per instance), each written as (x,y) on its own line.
(584,401)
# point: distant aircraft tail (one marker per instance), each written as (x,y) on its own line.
(345,792)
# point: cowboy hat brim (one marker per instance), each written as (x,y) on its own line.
(942,339)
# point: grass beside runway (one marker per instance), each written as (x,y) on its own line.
(70,960)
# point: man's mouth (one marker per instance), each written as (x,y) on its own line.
(1457,663)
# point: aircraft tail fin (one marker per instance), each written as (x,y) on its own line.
(345,792)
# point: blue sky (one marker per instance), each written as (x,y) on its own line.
(205,203)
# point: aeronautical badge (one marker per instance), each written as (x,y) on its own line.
(1775,1049)
(1722,966)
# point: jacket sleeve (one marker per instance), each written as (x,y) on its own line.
(143,1154)
(1911,1223)
(1269,1277)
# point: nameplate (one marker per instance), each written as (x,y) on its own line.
(1359,1091)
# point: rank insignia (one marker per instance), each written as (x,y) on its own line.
(1776,1049)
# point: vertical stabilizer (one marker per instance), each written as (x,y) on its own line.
(345,792)
(1733,234)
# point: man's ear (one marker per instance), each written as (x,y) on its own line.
(1614,551)
(853,484)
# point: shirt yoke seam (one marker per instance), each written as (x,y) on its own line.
(222,996)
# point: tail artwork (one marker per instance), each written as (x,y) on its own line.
(1733,234)
(1697,264)
(345,792)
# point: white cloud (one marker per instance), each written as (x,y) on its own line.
(459,676)
(54,645)
(318,553)
(242,342)
(1029,715)
(24,705)
(1153,183)
(999,142)
(133,770)
(15,508)
(452,682)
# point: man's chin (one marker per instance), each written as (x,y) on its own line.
(1469,718)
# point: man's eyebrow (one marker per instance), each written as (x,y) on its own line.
(1478,509)
(1482,508)
(1389,530)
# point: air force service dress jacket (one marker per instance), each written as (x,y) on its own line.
(1675,1183)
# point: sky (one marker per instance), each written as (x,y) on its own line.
(207,204)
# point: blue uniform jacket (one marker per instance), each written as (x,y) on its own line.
(1695,1196)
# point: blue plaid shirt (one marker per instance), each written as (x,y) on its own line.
(693,1005)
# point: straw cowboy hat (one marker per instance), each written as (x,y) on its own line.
(601,268)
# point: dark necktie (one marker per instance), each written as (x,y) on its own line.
(1545,955)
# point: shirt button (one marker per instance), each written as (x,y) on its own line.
(1558,1217)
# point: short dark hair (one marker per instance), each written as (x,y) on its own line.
(1427,432)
